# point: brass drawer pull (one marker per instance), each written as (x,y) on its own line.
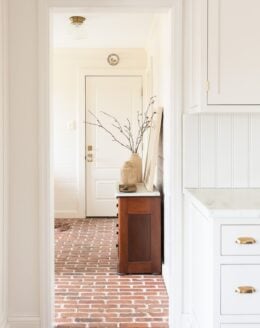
(245,290)
(245,240)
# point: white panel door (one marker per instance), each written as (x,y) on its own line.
(120,96)
(234,52)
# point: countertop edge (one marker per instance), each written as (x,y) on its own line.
(220,213)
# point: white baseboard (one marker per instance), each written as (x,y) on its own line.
(68,215)
(165,275)
(3,323)
(187,321)
(23,322)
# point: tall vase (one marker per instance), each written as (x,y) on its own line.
(128,174)
(136,160)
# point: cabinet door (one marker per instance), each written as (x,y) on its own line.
(234,52)
(139,235)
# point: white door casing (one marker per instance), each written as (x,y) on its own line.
(173,196)
(120,96)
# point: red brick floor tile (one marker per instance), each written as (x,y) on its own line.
(88,291)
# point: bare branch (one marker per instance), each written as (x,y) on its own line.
(99,124)
(144,121)
(126,133)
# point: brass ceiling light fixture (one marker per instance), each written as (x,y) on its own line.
(77,20)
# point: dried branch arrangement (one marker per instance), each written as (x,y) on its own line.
(129,140)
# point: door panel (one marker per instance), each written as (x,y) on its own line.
(121,97)
(234,52)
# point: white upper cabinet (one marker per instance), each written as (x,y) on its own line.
(234,52)
(223,43)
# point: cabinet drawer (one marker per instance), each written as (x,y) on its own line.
(240,239)
(242,277)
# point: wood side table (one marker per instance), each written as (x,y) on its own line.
(139,231)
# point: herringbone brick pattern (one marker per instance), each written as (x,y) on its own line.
(89,293)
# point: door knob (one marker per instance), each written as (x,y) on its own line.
(90,158)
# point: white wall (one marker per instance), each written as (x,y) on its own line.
(23,237)
(158,72)
(67,67)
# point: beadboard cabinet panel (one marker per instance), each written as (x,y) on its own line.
(254,151)
(241,151)
(224,161)
(191,150)
(207,127)
(221,150)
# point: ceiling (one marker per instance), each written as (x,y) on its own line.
(103,30)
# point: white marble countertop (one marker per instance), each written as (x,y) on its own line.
(141,192)
(226,203)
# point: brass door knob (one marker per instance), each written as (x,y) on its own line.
(90,158)
(245,241)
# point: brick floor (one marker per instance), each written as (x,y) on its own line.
(88,291)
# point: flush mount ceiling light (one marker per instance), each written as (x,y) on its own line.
(113,59)
(77,20)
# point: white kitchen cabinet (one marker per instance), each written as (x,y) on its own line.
(224,55)
(225,260)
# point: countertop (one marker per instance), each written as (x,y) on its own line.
(226,203)
(141,192)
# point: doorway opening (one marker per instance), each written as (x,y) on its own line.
(165,86)
(87,86)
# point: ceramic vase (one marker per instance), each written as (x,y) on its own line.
(136,160)
(128,174)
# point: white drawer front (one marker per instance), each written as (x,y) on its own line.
(243,325)
(234,276)
(233,236)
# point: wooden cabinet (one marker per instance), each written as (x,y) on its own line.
(139,238)
(223,43)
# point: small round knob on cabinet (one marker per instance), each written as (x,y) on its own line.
(117,245)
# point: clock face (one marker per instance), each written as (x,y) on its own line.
(113,59)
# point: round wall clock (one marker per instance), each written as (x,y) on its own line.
(113,59)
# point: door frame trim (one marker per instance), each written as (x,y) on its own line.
(82,127)
(4,150)
(174,198)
